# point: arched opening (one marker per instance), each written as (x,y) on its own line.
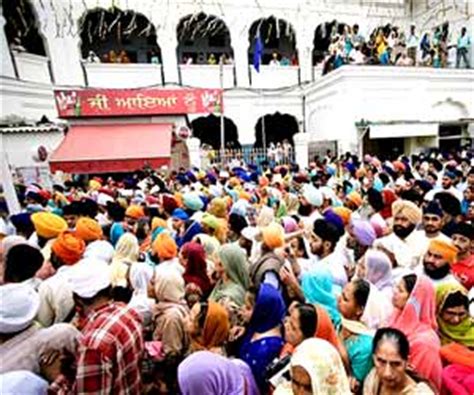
(21,28)
(208,130)
(278,40)
(116,36)
(275,128)
(203,39)
(325,34)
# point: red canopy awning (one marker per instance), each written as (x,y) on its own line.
(113,148)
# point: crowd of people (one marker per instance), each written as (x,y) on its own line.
(354,275)
(390,46)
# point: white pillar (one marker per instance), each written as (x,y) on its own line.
(65,57)
(301,149)
(7,63)
(240,45)
(194,145)
(13,204)
(168,44)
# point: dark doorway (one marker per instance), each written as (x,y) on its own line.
(208,130)
(278,37)
(21,27)
(117,36)
(278,127)
(322,39)
(385,149)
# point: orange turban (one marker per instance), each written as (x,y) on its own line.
(263,181)
(344,213)
(88,229)
(135,211)
(68,248)
(444,248)
(158,222)
(48,225)
(273,236)
(164,246)
(355,198)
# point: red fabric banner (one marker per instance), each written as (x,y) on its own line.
(120,102)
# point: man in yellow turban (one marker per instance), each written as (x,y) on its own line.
(48,226)
(56,301)
(133,213)
(438,260)
(88,229)
(353,201)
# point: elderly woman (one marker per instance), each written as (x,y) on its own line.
(263,340)
(233,280)
(414,315)
(456,330)
(316,368)
(205,372)
(391,373)
(140,275)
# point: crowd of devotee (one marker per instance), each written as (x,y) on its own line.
(389,45)
(353,276)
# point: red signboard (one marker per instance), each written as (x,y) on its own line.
(120,102)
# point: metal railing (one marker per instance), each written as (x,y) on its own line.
(247,156)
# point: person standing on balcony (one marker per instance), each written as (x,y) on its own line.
(274,61)
(412,44)
(463,45)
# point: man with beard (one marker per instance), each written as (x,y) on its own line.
(401,243)
(310,201)
(437,262)
(432,223)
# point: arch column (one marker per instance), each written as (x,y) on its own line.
(65,57)
(304,46)
(7,63)
(168,43)
(240,46)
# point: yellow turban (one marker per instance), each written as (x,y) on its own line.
(245,195)
(273,236)
(135,211)
(94,185)
(444,248)
(88,229)
(344,213)
(48,225)
(69,248)
(164,246)
(407,209)
(158,222)
(218,207)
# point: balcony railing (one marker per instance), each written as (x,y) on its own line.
(122,75)
(32,67)
(274,76)
(206,76)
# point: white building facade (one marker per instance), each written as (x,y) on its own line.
(340,107)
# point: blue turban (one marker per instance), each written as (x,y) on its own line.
(179,213)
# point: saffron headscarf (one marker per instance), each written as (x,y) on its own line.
(269,310)
(462,333)
(135,211)
(317,286)
(216,328)
(88,229)
(68,248)
(234,261)
(196,267)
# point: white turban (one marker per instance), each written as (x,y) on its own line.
(89,276)
(100,249)
(313,195)
(19,304)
